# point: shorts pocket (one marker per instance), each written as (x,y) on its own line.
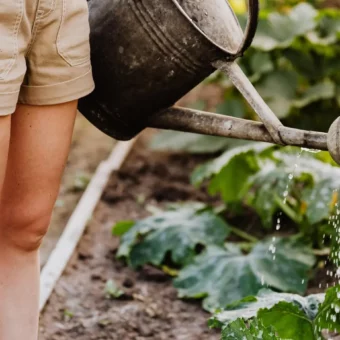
(73,37)
(11,13)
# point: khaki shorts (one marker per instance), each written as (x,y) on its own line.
(44,52)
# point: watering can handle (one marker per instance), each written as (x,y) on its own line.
(253,16)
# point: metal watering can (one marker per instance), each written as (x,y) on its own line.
(147,54)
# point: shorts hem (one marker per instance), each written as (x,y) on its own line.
(57,93)
(8,102)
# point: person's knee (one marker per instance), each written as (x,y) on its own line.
(24,226)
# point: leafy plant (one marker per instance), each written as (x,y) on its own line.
(223,275)
(176,231)
(284,316)
(269,179)
(238,330)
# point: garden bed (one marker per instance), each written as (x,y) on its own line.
(149,309)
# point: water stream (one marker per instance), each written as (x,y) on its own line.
(334,221)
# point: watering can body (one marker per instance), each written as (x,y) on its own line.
(147,54)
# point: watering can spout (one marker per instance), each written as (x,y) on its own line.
(147,54)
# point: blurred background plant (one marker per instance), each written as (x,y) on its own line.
(274,203)
(294,64)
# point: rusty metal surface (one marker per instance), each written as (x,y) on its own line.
(146,54)
(180,119)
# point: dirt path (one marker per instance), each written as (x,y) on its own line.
(150,309)
(89,148)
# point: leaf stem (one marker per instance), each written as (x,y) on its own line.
(244,235)
(288,210)
(322,252)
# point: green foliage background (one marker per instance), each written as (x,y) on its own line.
(294,63)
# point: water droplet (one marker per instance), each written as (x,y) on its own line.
(311,150)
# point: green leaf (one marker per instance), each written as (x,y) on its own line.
(288,321)
(212,168)
(304,63)
(320,91)
(319,197)
(238,330)
(122,227)
(318,200)
(223,275)
(327,34)
(329,312)
(290,316)
(248,307)
(315,179)
(279,30)
(232,180)
(261,63)
(278,89)
(177,232)
(270,185)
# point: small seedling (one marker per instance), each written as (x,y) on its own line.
(68,315)
(112,291)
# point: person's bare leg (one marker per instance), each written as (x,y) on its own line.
(39,145)
(5,128)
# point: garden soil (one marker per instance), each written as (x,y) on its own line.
(79,308)
(150,309)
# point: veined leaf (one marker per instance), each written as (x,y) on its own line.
(223,275)
(318,200)
(248,307)
(270,185)
(288,321)
(279,31)
(232,180)
(212,168)
(238,330)
(290,316)
(328,316)
(177,232)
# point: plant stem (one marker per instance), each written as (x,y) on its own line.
(288,210)
(244,235)
(322,252)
